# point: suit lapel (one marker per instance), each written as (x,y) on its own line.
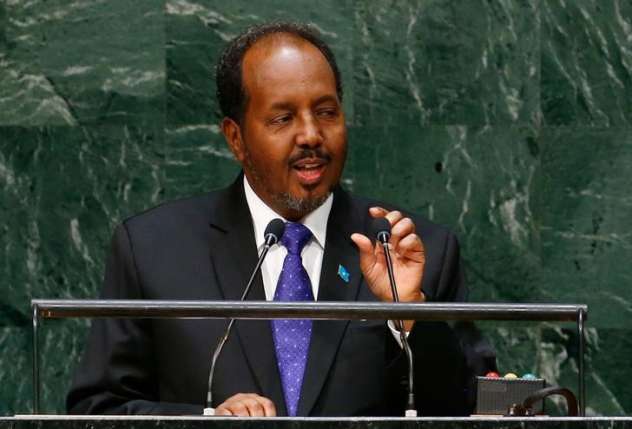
(234,251)
(326,335)
(234,255)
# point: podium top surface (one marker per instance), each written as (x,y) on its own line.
(332,310)
(203,422)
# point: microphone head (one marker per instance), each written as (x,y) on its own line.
(274,231)
(381,229)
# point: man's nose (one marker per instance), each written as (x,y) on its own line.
(310,134)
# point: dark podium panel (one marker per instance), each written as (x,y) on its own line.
(123,422)
(332,310)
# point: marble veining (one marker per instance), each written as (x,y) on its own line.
(508,121)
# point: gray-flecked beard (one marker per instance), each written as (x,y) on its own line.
(284,199)
(300,205)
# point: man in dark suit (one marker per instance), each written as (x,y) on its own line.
(280,91)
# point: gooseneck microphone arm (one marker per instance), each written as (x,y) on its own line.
(272,235)
(382,229)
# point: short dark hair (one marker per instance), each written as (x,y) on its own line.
(231,93)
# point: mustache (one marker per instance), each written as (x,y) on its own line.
(316,153)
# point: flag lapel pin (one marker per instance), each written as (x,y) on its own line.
(343,273)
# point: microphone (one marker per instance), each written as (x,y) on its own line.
(272,235)
(381,228)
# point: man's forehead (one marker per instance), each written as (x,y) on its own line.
(278,57)
(271,44)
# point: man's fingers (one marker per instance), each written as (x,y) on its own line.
(255,408)
(268,407)
(412,247)
(401,229)
(394,217)
(378,211)
(238,409)
(222,411)
(247,405)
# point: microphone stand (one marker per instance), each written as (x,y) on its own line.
(271,240)
(411,410)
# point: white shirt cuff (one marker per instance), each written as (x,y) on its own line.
(395,332)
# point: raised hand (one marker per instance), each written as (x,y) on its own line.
(407,252)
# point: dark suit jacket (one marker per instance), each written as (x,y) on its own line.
(203,248)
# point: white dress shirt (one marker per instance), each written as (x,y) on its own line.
(312,253)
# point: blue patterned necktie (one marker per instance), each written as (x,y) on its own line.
(291,337)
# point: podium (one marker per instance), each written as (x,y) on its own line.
(164,422)
(60,309)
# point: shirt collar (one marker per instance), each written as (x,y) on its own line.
(262,214)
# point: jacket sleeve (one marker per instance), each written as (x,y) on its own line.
(480,356)
(117,372)
(446,358)
(441,376)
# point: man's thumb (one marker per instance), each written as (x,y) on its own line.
(365,247)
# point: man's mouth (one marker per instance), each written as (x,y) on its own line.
(309,171)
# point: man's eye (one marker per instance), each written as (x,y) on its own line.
(280,120)
(327,113)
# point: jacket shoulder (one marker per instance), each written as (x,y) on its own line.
(187,213)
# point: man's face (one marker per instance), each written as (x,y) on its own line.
(292,142)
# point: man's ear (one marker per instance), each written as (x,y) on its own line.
(232,134)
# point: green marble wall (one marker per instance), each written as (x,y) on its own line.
(509,120)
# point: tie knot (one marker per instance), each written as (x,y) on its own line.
(295,237)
